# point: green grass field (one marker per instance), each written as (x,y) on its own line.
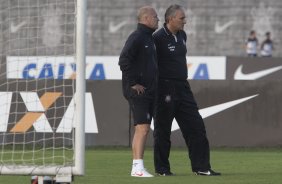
(238,166)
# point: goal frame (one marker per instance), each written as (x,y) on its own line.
(79,128)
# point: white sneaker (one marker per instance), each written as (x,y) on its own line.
(140,173)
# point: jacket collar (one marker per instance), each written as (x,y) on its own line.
(167,31)
(144,28)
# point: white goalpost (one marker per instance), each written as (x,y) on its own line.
(42,87)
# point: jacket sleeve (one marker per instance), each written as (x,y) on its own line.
(128,59)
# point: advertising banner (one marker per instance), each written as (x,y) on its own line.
(101,68)
(265,68)
(238,98)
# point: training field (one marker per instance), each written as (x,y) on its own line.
(238,166)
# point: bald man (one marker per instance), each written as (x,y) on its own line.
(139,81)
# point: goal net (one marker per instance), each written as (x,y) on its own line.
(42,87)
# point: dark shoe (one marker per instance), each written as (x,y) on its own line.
(207,173)
(167,173)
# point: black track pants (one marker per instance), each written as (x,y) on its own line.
(176,100)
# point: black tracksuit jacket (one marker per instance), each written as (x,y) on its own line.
(138,62)
(171,51)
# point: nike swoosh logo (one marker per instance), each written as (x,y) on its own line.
(239,75)
(205,173)
(115,27)
(209,111)
(15,28)
(139,174)
(220,28)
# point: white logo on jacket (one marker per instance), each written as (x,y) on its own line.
(171,47)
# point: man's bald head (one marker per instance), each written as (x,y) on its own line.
(147,15)
(144,11)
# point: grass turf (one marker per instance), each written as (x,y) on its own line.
(237,165)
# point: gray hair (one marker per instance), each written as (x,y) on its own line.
(171,10)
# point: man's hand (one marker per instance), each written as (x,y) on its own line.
(139,88)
